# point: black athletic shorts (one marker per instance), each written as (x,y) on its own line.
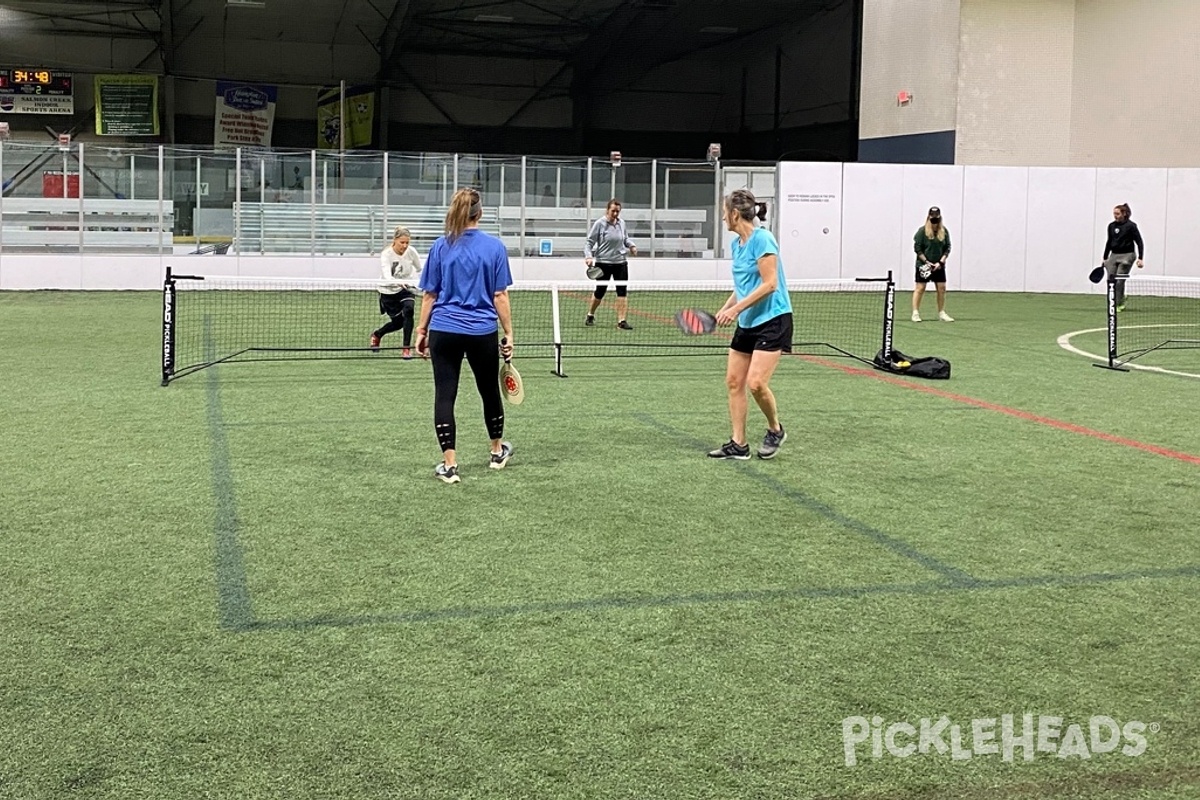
(393,304)
(773,335)
(937,276)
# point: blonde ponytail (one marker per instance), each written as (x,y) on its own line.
(465,207)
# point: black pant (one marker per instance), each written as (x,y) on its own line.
(399,308)
(447,351)
(615,272)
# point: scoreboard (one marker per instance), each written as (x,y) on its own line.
(33,80)
(36,90)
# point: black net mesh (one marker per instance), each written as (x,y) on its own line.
(221,319)
(1159,318)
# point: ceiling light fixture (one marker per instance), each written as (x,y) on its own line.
(493,18)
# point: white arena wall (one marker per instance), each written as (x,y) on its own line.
(72,271)
(1014,229)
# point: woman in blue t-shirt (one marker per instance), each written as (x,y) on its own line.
(763,311)
(465,281)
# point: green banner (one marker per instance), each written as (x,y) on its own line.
(359,122)
(127,105)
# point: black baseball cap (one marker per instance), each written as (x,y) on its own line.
(934,211)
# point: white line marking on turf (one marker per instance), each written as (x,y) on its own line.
(1064,342)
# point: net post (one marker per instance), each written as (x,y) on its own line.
(1111,306)
(557,322)
(168,328)
(889,317)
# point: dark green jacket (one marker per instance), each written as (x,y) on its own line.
(933,249)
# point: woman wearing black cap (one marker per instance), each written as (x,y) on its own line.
(932,245)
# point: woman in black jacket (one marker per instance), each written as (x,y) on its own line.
(1123,235)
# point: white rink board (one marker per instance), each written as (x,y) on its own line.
(1014,229)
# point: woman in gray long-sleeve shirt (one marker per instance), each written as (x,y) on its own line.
(606,245)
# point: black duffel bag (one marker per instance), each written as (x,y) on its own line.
(928,367)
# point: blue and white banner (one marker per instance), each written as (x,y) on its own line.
(245,114)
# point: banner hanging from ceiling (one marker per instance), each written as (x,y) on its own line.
(127,105)
(359,122)
(245,114)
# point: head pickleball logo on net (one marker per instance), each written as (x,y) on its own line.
(1034,735)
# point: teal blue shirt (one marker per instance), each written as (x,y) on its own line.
(746,278)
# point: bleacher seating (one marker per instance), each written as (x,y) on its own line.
(329,229)
(337,229)
(678,233)
(56,225)
(110,225)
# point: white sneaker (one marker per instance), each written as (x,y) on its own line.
(500,460)
(916,316)
(944,317)
(446,474)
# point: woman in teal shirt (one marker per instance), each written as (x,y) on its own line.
(763,311)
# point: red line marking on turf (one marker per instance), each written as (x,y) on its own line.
(1028,416)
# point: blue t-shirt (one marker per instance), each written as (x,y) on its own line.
(466,274)
(746,278)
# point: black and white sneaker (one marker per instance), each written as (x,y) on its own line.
(771,442)
(589,320)
(624,325)
(731,449)
(500,460)
(446,474)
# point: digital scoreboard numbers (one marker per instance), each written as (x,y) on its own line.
(35,81)
(39,76)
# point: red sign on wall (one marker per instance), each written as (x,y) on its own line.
(52,184)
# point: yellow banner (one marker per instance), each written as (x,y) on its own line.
(359,122)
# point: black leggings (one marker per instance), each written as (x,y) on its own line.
(399,308)
(447,351)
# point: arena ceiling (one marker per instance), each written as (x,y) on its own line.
(584,34)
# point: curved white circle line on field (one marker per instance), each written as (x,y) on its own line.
(1064,342)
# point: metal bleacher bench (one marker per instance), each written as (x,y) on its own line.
(328,229)
(336,229)
(56,225)
(677,233)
